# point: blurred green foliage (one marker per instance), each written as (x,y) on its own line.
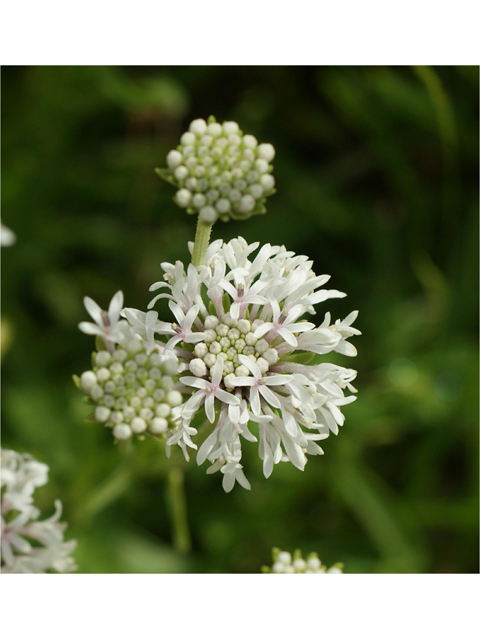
(377,175)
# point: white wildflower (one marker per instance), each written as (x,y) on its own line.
(7,237)
(283,562)
(132,383)
(240,332)
(30,545)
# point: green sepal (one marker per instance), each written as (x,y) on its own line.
(76,381)
(312,555)
(211,119)
(275,552)
(338,565)
(211,308)
(91,420)
(100,344)
(94,353)
(297,554)
(226,302)
(89,400)
(189,210)
(166,174)
(266,570)
(300,358)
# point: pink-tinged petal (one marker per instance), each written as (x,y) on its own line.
(173,342)
(177,312)
(217,371)
(90,328)
(299,327)
(235,311)
(229,288)
(273,381)
(193,403)
(242,480)
(226,397)
(288,337)
(243,381)
(94,310)
(210,407)
(269,396)
(115,306)
(251,366)
(255,400)
(190,317)
(263,329)
(161,295)
(158,285)
(192,338)
(198,383)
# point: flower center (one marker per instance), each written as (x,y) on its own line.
(228,340)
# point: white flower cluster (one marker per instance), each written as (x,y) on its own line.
(30,545)
(284,563)
(131,385)
(219,172)
(7,237)
(241,336)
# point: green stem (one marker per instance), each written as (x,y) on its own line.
(202,237)
(177,505)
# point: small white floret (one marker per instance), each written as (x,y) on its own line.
(122,432)
(138,425)
(208,214)
(183,197)
(163,410)
(230,127)
(102,359)
(181,172)
(88,380)
(284,557)
(250,141)
(199,126)
(199,200)
(174,159)
(158,425)
(188,138)
(174,398)
(266,151)
(247,203)
(198,367)
(102,414)
(267,181)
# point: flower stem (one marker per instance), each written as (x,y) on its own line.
(177,505)
(202,237)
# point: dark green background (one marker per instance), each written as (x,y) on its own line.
(377,176)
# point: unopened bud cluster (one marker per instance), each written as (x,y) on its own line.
(228,340)
(219,172)
(132,391)
(284,563)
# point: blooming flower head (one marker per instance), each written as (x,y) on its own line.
(220,172)
(244,348)
(284,563)
(30,545)
(132,382)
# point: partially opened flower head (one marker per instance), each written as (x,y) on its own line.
(132,383)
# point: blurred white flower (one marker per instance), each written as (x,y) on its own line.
(30,545)
(240,332)
(283,562)
(7,237)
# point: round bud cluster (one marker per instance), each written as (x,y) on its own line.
(284,563)
(227,340)
(133,391)
(219,172)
